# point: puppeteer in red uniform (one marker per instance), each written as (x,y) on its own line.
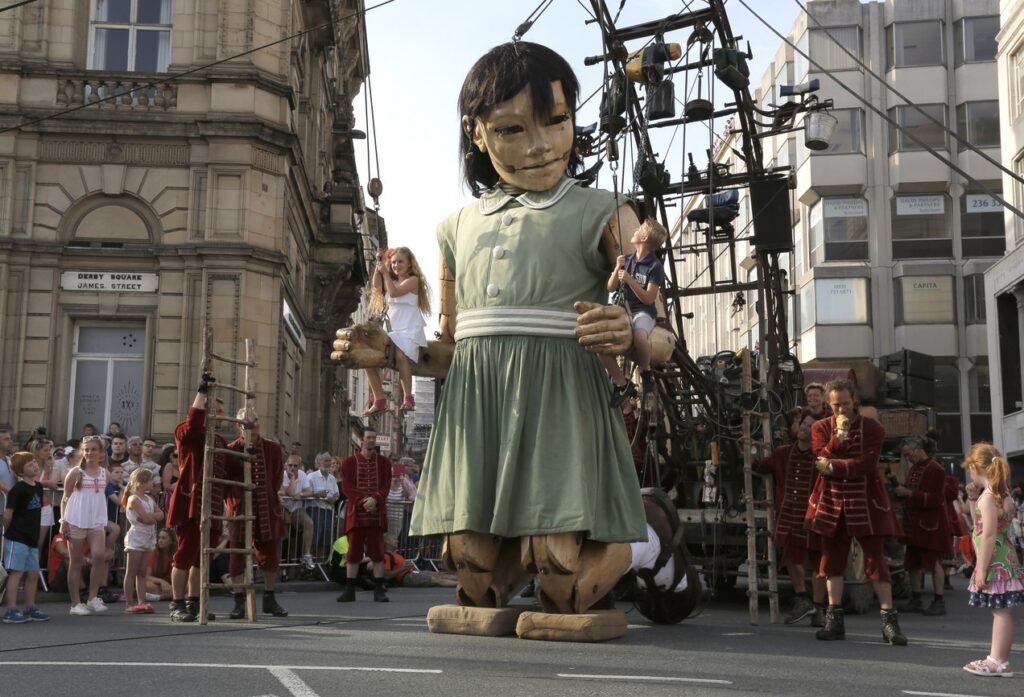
(365,481)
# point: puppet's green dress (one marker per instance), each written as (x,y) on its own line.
(524,441)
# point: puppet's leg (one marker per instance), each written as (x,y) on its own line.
(573,574)
(487,567)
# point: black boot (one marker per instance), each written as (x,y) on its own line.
(835,625)
(818,618)
(891,629)
(179,613)
(379,594)
(192,605)
(270,606)
(937,608)
(349,594)
(238,611)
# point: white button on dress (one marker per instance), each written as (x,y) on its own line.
(492,290)
(507,219)
(498,252)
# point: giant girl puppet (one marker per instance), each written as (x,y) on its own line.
(528,472)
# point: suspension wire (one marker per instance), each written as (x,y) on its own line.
(191,71)
(17,5)
(528,22)
(903,129)
(888,86)
(587,10)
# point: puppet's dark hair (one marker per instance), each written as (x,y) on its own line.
(499,75)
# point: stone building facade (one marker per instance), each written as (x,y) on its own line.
(202,192)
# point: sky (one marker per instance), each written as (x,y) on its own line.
(420,52)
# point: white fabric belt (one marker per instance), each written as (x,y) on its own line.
(529,321)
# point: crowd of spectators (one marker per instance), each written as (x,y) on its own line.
(309,493)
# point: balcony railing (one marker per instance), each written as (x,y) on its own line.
(120,93)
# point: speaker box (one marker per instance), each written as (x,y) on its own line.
(773,224)
(907,362)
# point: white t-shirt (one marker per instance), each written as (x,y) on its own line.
(319,482)
(293,504)
(128,466)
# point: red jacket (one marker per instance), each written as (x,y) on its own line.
(361,478)
(795,477)
(187,496)
(853,494)
(267,475)
(929,521)
(956,521)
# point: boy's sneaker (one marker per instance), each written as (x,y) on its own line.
(34,614)
(620,393)
(12,616)
(81,610)
(96,605)
(307,561)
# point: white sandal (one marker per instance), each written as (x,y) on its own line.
(985,668)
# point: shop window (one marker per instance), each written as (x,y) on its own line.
(841,300)
(131,35)
(1008,331)
(974,298)
(974,39)
(920,227)
(980,400)
(925,300)
(982,226)
(910,44)
(839,230)
(825,47)
(978,123)
(911,121)
(947,406)
(107,377)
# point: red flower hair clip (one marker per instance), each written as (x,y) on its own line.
(388,253)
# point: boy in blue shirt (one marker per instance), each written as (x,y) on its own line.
(21,539)
(639,277)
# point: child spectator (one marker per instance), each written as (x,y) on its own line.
(84,520)
(21,537)
(143,515)
(158,580)
(639,277)
(114,492)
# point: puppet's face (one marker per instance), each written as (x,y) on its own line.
(528,154)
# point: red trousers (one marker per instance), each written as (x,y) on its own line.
(837,550)
(372,538)
(920,559)
(187,555)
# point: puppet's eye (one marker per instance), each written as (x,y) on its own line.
(559,119)
(508,130)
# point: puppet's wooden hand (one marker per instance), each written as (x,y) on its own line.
(361,346)
(603,328)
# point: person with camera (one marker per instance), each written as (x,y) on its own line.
(929,538)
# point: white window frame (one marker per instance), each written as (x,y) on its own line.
(133,29)
(1017,81)
(894,33)
(77,356)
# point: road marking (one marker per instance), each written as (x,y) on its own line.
(244,666)
(292,682)
(738,634)
(936,694)
(649,678)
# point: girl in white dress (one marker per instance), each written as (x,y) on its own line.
(143,515)
(84,520)
(408,302)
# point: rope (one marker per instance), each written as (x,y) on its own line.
(17,5)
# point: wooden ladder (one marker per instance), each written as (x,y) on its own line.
(766,565)
(211,451)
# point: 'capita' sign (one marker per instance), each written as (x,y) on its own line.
(109,281)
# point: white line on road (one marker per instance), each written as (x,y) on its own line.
(128,664)
(936,694)
(738,634)
(292,682)
(651,678)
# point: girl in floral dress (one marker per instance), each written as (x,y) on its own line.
(998,580)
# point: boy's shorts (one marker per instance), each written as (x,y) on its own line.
(20,557)
(644,322)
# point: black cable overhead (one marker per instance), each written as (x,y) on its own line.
(906,132)
(171,78)
(17,5)
(534,16)
(885,83)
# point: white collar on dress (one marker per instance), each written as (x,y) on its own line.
(494,199)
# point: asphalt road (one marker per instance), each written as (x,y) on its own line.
(324,648)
